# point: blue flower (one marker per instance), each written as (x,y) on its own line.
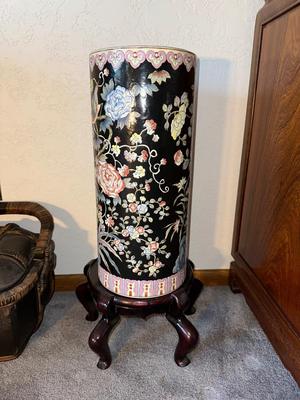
(119,103)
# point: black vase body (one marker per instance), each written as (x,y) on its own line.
(142,117)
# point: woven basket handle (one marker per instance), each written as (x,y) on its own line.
(38,211)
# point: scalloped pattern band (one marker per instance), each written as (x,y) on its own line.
(135,57)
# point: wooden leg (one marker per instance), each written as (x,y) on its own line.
(98,340)
(187,333)
(196,288)
(85,297)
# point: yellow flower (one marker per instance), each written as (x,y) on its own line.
(139,172)
(178,122)
(131,197)
(116,149)
(136,138)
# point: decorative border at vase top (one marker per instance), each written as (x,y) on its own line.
(141,289)
(135,56)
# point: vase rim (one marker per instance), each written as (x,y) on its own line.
(142,47)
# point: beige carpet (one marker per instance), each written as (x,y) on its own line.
(234,360)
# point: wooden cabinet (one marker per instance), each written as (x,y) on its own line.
(266,244)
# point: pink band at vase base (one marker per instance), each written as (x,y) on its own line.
(141,289)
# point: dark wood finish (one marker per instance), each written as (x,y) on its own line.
(212,277)
(187,333)
(85,297)
(275,324)
(209,277)
(266,243)
(22,303)
(112,306)
(68,282)
(98,340)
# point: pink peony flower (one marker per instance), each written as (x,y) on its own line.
(155,138)
(109,179)
(147,187)
(163,161)
(178,157)
(117,139)
(162,203)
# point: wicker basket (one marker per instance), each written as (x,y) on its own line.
(27,263)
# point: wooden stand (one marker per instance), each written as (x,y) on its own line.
(95,297)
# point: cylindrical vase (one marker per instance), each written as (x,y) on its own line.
(142,118)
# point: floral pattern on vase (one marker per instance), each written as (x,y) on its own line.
(142,116)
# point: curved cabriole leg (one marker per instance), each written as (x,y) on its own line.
(196,288)
(98,340)
(187,333)
(85,297)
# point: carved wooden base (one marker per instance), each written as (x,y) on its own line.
(95,297)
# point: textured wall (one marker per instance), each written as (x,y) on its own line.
(46,141)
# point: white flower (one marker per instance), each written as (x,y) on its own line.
(154,267)
(155,138)
(146,252)
(134,235)
(130,156)
(131,197)
(142,208)
(152,270)
(139,172)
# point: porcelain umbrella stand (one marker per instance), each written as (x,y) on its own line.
(142,118)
